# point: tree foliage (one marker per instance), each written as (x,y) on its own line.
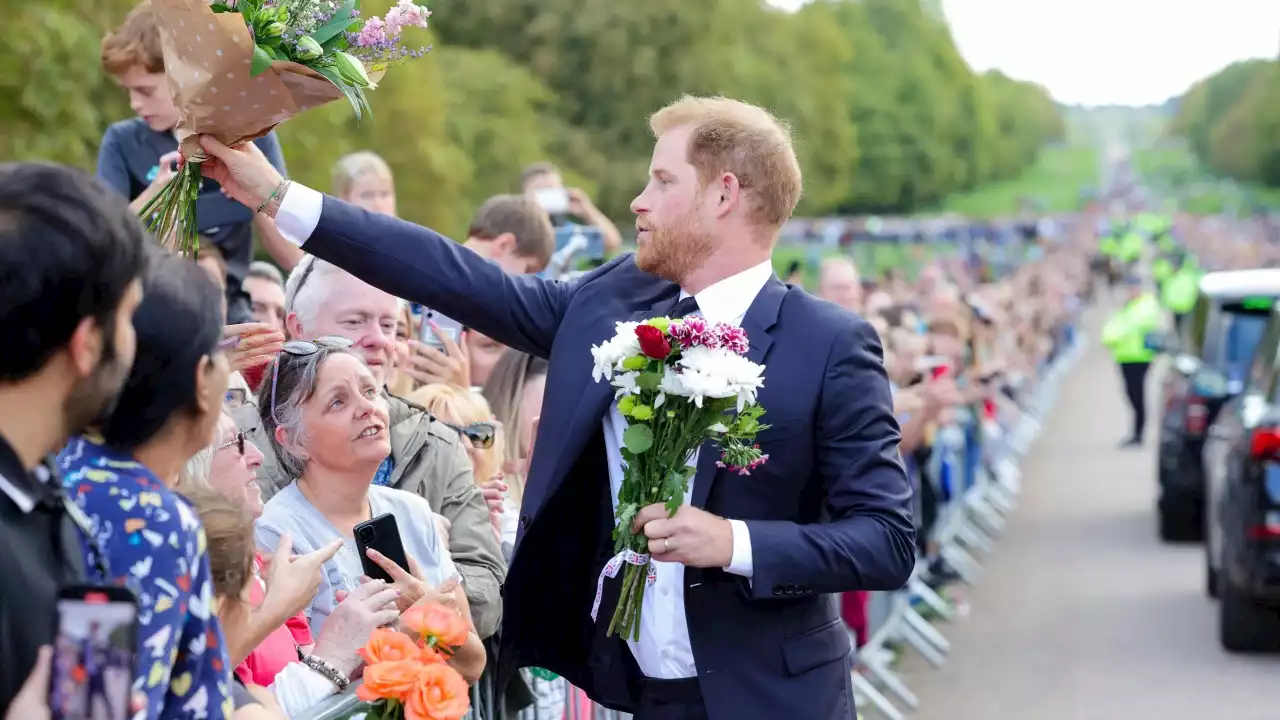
(1231,120)
(886,114)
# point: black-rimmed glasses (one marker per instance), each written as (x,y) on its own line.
(480,434)
(303,348)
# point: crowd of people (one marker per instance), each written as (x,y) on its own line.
(208,433)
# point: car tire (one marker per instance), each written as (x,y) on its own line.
(1179,521)
(1244,625)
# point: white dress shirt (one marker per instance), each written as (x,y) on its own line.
(664,650)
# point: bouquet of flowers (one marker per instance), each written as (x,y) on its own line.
(679,383)
(407,679)
(238,68)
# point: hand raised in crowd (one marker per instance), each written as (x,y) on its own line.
(941,393)
(429,365)
(256,344)
(494,493)
(292,581)
(165,170)
(366,608)
(408,582)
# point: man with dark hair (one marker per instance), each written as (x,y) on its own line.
(514,232)
(71,257)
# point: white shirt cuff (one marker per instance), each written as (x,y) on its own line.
(299,213)
(741,563)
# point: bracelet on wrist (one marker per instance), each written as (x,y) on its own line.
(272,201)
(324,668)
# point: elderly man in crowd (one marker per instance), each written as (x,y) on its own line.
(427,456)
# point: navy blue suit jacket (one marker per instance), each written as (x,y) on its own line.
(830,512)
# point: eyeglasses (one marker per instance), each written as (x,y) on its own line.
(303,348)
(480,434)
(238,442)
(235,398)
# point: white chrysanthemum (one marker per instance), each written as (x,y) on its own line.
(717,373)
(608,357)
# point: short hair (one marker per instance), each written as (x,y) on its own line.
(136,43)
(746,140)
(295,378)
(265,271)
(537,169)
(521,216)
(228,531)
(178,323)
(207,249)
(353,166)
(306,289)
(69,249)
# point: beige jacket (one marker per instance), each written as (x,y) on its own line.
(429,461)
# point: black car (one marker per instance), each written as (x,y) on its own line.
(1242,511)
(1213,348)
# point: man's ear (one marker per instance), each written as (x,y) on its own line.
(504,244)
(729,192)
(85,347)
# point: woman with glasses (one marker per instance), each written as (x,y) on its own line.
(328,421)
(146,535)
(268,635)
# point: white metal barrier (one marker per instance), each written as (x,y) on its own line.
(967,530)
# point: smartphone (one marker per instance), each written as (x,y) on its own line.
(381,534)
(93,653)
(448,326)
(555,201)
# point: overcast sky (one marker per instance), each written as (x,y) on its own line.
(1111,51)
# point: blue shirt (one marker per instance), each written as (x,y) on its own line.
(155,546)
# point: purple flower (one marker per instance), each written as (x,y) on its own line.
(693,331)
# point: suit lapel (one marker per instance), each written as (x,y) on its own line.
(758,322)
(598,396)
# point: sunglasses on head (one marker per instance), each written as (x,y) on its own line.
(303,348)
(480,434)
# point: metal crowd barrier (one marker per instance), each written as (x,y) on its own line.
(981,462)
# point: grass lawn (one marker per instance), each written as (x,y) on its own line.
(1054,181)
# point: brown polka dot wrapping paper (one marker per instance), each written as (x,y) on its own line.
(208,57)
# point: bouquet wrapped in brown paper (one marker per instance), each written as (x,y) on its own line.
(238,69)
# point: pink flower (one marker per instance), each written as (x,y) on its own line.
(693,331)
(405,14)
(732,338)
(373,34)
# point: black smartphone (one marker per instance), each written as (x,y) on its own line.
(381,534)
(93,653)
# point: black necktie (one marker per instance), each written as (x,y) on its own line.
(687,306)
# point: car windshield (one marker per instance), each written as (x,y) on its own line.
(1241,335)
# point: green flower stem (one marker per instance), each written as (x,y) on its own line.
(173,210)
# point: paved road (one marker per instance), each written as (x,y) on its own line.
(1082,614)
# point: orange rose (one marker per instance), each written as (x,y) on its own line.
(386,645)
(440,694)
(438,621)
(390,680)
(432,657)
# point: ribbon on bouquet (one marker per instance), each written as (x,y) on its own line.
(611,568)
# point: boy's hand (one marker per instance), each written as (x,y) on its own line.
(166,170)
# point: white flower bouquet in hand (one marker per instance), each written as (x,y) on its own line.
(679,383)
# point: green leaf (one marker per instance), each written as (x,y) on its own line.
(261,61)
(221,7)
(649,381)
(638,438)
(338,24)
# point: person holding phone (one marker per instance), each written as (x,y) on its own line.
(329,424)
(543,182)
(66,237)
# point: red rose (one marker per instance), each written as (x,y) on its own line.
(652,342)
